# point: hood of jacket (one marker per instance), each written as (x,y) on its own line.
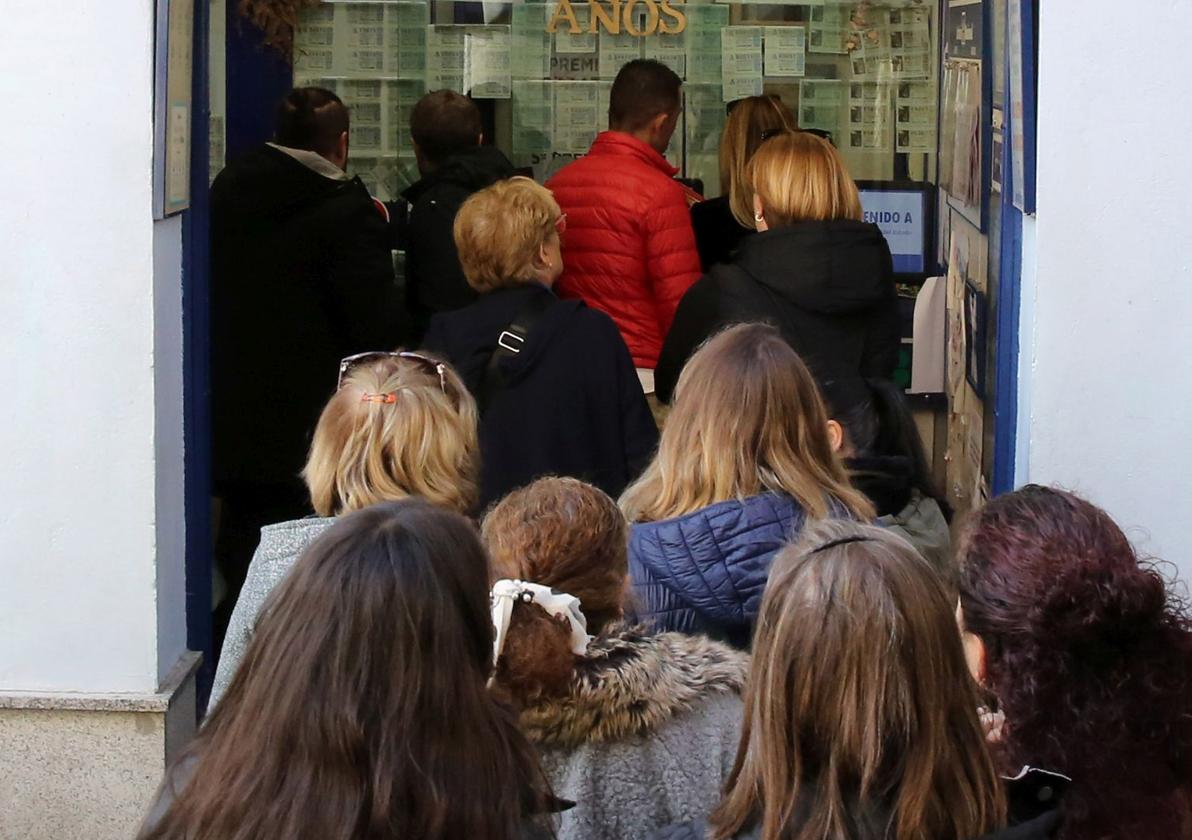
(923,525)
(471,170)
(717,559)
(630,682)
(469,335)
(885,480)
(267,182)
(838,267)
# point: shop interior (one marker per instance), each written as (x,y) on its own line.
(927,101)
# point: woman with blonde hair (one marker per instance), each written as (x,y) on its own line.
(399,425)
(861,720)
(722,223)
(745,460)
(637,728)
(815,270)
(557,390)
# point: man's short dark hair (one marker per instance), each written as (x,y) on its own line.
(444,123)
(643,89)
(311,118)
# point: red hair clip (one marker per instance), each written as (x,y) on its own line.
(387,399)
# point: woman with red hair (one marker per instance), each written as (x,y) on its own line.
(1087,651)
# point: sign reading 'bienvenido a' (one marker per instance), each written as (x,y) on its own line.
(638,18)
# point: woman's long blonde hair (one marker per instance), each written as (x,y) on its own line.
(747,122)
(395,429)
(860,716)
(747,419)
(801,178)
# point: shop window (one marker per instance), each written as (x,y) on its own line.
(865,72)
(217,75)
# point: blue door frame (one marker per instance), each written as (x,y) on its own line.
(1010,284)
(259,76)
(196,369)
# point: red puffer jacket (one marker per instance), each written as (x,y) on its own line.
(629,249)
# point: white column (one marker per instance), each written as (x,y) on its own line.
(92,574)
(1107,371)
(90,302)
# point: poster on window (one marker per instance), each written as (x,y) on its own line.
(914,117)
(868,116)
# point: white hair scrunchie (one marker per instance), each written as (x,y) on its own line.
(558,604)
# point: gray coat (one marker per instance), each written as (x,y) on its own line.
(279,547)
(646,736)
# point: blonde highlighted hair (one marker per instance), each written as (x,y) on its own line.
(860,716)
(742,135)
(747,419)
(499,229)
(394,429)
(800,177)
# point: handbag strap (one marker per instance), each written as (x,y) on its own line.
(509,344)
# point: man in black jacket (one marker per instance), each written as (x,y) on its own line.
(446,129)
(301,276)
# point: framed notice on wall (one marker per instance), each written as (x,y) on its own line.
(172,106)
(965,103)
(1020,44)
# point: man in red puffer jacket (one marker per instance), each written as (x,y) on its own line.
(629,249)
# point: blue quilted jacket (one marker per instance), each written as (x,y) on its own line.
(705,572)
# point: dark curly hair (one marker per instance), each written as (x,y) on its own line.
(1089,654)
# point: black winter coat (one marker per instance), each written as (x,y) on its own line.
(572,403)
(301,276)
(434,280)
(827,286)
(718,234)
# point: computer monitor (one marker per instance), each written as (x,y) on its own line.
(905,213)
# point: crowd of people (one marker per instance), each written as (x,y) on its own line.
(614,526)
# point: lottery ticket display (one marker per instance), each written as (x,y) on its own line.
(861,71)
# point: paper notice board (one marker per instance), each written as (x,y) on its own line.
(172,117)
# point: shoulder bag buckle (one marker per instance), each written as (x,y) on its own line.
(511,341)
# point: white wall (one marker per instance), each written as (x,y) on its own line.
(81,512)
(1108,362)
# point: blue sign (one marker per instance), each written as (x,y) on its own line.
(902,219)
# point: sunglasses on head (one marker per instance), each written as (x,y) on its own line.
(431,365)
(817,132)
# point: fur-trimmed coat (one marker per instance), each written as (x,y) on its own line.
(646,736)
